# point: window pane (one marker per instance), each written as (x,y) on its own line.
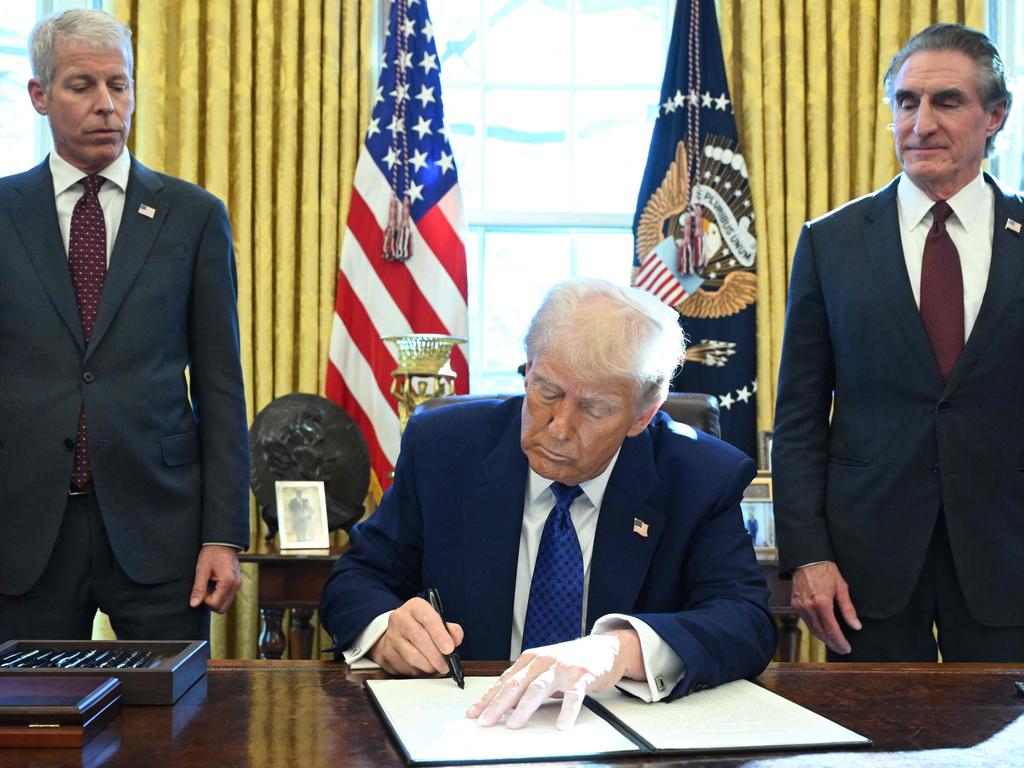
(456,31)
(608,255)
(521,267)
(18,126)
(465,128)
(16,22)
(526,158)
(527,42)
(613,132)
(619,43)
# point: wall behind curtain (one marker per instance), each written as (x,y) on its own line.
(263,103)
(805,77)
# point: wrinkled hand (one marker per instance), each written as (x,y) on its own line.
(415,641)
(218,578)
(816,590)
(573,669)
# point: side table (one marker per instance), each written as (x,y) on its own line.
(290,580)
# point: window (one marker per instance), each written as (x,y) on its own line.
(1006,27)
(550,108)
(24,135)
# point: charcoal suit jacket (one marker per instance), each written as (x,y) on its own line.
(169,455)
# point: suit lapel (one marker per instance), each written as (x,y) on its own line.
(621,558)
(1003,278)
(135,237)
(885,249)
(492,523)
(34,213)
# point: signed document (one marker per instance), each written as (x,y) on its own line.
(428,720)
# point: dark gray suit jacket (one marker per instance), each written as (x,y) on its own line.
(169,457)
(865,490)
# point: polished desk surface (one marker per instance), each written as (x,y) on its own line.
(266,713)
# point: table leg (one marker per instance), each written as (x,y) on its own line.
(789,638)
(272,634)
(300,634)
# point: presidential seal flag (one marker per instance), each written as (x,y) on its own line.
(403,263)
(694,225)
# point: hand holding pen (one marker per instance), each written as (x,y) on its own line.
(416,641)
(451,659)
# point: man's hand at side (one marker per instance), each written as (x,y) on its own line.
(415,641)
(573,669)
(218,577)
(817,590)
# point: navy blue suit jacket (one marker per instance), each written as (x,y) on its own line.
(453,518)
(864,487)
(170,458)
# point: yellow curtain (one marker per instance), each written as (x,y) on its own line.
(806,79)
(263,103)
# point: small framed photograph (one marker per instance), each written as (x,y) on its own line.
(764,451)
(302,514)
(758,514)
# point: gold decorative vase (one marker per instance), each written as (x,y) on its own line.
(424,370)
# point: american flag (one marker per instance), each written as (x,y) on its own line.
(403,262)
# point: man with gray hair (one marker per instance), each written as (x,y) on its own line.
(576,530)
(123,485)
(899,440)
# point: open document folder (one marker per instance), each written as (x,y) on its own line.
(427,719)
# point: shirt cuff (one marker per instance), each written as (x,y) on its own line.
(355,654)
(663,667)
(223,544)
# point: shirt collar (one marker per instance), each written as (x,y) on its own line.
(65,175)
(965,203)
(593,488)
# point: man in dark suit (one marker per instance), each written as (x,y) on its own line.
(904,508)
(644,549)
(123,483)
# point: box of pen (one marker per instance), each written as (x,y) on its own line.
(150,671)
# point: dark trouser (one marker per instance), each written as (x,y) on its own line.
(938,600)
(83,575)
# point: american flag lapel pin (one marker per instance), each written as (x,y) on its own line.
(1013,226)
(146,211)
(640,528)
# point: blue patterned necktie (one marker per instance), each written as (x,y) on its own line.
(555,611)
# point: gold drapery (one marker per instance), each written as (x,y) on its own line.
(263,103)
(806,84)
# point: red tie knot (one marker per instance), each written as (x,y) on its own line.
(92,184)
(940,212)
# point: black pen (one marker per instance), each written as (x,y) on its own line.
(454,662)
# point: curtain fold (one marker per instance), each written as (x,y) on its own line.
(806,82)
(261,102)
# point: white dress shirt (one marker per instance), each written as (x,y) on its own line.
(663,668)
(970,228)
(67,191)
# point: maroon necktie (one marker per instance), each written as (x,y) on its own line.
(942,292)
(87,258)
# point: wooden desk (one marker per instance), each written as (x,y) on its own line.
(260,713)
(295,581)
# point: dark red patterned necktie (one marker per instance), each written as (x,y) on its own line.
(942,292)
(87,258)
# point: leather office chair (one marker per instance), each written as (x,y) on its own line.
(697,410)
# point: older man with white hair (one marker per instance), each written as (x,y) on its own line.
(576,530)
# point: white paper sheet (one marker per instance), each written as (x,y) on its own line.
(429,717)
(737,715)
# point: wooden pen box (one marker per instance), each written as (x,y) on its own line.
(52,711)
(174,667)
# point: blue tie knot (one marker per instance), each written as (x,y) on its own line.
(565,495)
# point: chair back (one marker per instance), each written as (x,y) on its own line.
(693,408)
